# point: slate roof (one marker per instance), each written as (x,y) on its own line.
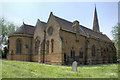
(25,29)
(44,25)
(67,25)
(96,34)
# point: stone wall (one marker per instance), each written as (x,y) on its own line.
(67,46)
(54,57)
(26,42)
(72,42)
(104,51)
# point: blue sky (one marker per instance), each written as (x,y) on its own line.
(29,12)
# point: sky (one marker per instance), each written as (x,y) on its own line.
(119,12)
(29,12)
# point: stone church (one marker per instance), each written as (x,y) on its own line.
(60,42)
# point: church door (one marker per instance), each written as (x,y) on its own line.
(65,60)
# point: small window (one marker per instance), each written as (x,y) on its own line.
(19,46)
(52,46)
(48,46)
(93,50)
(72,54)
(50,31)
(77,40)
(37,43)
(26,45)
(81,54)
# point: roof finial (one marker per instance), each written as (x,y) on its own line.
(23,21)
(51,12)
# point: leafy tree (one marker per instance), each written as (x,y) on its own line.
(116,37)
(5,29)
(5,51)
(3,32)
(119,41)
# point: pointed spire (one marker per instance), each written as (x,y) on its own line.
(95,23)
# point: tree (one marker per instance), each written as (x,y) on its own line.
(3,32)
(119,41)
(5,51)
(5,29)
(116,38)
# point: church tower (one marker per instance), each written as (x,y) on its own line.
(95,22)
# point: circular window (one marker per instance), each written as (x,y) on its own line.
(50,31)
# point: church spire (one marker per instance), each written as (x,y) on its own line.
(95,23)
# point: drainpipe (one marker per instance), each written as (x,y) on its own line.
(85,61)
(31,51)
(44,47)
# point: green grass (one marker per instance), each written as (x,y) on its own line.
(19,69)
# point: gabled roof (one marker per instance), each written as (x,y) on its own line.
(44,25)
(65,25)
(68,26)
(25,29)
(95,34)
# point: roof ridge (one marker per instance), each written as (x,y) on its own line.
(79,25)
(62,19)
(43,22)
(67,25)
(91,30)
(28,25)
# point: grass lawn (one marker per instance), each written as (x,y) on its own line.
(19,69)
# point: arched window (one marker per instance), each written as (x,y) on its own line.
(52,45)
(93,50)
(48,46)
(81,54)
(50,31)
(19,46)
(72,54)
(37,43)
(101,52)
